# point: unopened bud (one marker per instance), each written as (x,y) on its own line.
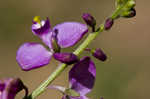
(129,14)
(67,58)
(99,54)
(89,19)
(108,23)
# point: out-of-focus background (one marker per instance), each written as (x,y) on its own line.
(125,75)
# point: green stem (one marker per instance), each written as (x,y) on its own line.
(78,51)
(49,80)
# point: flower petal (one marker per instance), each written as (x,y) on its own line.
(41,28)
(69,33)
(47,39)
(11,86)
(43,31)
(32,55)
(82,76)
(69,97)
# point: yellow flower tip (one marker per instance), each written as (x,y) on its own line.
(37,19)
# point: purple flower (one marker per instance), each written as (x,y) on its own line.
(34,55)
(10,87)
(82,78)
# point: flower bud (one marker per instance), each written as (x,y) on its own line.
(89,19)
(99,54)
(108,23)
(129,14)
(67,58)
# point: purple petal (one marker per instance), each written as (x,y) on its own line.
(2,86)
(32,55)
(43,31)
(59,88)
(12,87)
(41,28)
(47,39)
(69,97)
(69,33)
(68,58)
(82,76)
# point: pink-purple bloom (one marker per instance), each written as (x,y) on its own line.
(82,78)
(34,55)
(10,87)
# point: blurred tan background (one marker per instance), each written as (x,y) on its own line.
(126,73)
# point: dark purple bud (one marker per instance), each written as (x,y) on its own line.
(108,23)
(130,14)
(67,58)
(89,19)
(10,87)
(99,54)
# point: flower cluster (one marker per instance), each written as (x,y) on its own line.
(82,75)
(34,55)
(81,80)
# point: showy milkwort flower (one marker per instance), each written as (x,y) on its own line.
(9,87)
(34,55)
(81,79)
